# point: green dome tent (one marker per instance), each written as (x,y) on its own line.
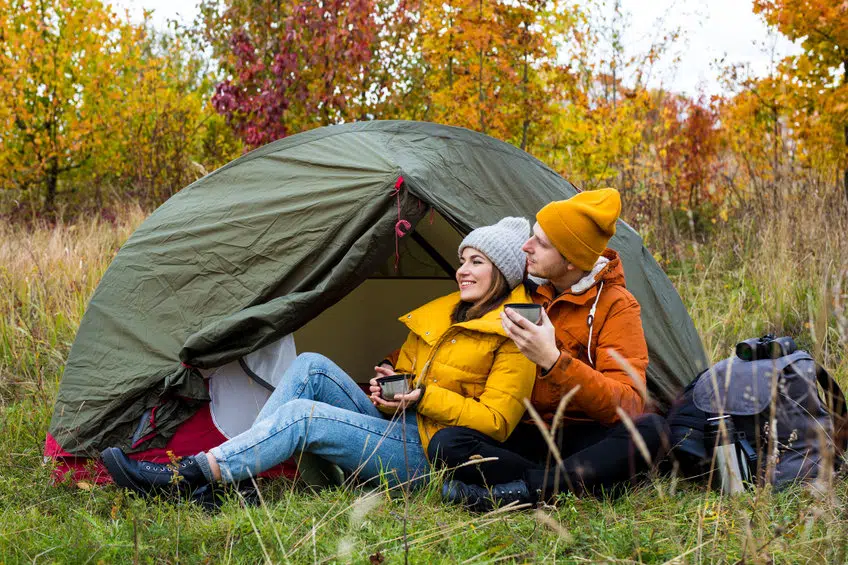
(327,235)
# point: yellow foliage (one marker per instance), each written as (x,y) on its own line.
(90,102)
(87,99)
(492,66)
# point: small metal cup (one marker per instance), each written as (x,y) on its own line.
(394,384)
(532,312)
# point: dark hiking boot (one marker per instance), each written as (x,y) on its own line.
(211,496)
(482,499)
(146,477)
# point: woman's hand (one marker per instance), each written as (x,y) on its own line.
(400,401)
(383,370)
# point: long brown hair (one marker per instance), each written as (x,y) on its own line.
(498,291)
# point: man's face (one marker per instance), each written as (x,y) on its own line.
(543,259)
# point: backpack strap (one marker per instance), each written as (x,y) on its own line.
(836,406)
(837,397)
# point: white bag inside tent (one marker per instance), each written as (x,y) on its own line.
(236,397)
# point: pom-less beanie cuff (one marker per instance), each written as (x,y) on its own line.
(502,243)
(581,226)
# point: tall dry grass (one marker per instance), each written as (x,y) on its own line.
(782,270)
(47,273)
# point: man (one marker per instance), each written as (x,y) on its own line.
(589,323)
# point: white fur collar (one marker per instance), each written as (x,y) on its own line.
(589,281)
(583,284)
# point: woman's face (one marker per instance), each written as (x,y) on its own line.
(474,275)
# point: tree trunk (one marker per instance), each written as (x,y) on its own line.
(845,83)
(450,55)
(526,124)
(776,133)
(51,182)
(615,52)
(481,96)
(845,174)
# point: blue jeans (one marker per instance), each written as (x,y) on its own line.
(318,408)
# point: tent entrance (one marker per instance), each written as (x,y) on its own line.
(358,331)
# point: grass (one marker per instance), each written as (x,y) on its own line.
(787,272)
(46,276)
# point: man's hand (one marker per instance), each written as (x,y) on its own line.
(537,343)
(400,401)
(382,370)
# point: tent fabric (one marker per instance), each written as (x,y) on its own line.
(255,250)
(198,433)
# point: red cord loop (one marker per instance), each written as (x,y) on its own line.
(401,224)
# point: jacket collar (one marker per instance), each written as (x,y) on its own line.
(433,319)
(607,268)
(591,278)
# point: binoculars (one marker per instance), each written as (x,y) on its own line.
(766,347)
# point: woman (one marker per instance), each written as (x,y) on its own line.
(468,373)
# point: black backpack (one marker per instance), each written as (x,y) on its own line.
(742,389)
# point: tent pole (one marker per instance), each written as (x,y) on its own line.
(431,251)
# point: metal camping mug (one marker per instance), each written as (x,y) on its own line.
(732,468)
(532,312)
(394,384)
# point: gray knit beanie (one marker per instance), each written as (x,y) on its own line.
(502,245)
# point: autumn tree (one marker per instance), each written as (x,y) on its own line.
(756,135)
(688,150)
(493,66)
(163,131)
(606,122)
(290,67)
(820,73)
(57,66)
(90,103)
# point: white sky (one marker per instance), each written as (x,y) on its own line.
(711,30)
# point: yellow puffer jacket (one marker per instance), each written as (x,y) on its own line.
(474,375)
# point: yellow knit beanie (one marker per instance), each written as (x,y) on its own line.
(581,226)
